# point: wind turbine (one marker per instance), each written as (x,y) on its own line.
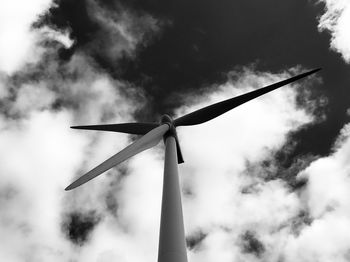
(172,245)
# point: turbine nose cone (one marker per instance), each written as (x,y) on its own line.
(166,119)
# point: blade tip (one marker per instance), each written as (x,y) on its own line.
(70,187)
(315,70)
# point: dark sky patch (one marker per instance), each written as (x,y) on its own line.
(94,37)
(300,184)
(290,167)
(194,240)
(251,244)
(287,167)
(280,165)
(77,226)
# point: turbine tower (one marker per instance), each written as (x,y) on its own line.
(172,244)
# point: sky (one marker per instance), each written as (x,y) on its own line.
(268,181)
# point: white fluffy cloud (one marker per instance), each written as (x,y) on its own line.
(216,172)
(327,197)
(19,42)
(311,224)
(336,20)
(40,154)
(50,155)
(216,154)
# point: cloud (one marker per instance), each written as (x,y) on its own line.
(232,211)
(336,20)
(227,202)
(121,31)
(122,207)
(40,98)
(37,164)
(326,197)
(234,225)
(19,42)
(104,31)
(42,155)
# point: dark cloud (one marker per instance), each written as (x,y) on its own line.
(194,240)
(251,244)
(77,226)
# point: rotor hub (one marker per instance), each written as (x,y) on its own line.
(166,119)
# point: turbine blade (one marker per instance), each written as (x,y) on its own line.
(180,158)
(130,128)
(207,113)
(149,140)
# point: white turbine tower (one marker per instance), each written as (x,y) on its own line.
(172,244)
